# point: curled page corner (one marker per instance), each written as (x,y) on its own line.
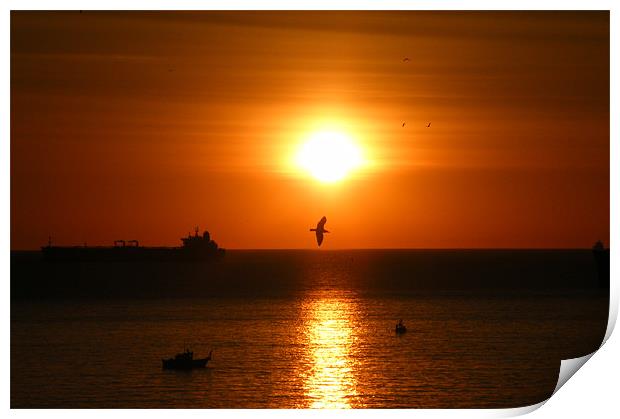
(518,411)
(569,367)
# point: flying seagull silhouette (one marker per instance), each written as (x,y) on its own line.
(320,229)
(405,59)
(403,125)
(429,125)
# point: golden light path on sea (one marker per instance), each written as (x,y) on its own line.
(330,383)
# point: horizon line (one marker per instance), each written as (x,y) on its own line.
(359,248)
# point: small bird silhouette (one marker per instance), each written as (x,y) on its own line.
(429,125)
(403,124)
(406,59)
(320,229)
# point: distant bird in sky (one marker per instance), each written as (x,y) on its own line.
(429,125)
(406,59)
(320,229)
(403,124)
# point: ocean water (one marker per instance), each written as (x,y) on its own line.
(301,329)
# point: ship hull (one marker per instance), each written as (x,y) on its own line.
(601,257)
(127,254)
(175,364)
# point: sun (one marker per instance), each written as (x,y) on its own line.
(329,156)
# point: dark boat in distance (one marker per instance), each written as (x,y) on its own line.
(185,361)
(194,248)
(601,257)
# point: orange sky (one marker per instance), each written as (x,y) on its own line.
(144,125)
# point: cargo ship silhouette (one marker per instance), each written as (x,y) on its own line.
(601,256)
(195,248)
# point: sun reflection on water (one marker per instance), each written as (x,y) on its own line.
(330,383)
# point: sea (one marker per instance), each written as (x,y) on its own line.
(303,329)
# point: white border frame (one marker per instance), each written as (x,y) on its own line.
(592,393)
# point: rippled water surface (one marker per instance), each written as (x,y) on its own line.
(328,344)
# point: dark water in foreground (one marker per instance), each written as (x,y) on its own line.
(304,329)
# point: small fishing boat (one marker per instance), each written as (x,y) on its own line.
(185,361)
(400,327)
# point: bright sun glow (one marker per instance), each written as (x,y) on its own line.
(329,156)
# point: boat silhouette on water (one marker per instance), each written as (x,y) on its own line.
(185,361)
(194,248)
(601,257)
(400,328)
